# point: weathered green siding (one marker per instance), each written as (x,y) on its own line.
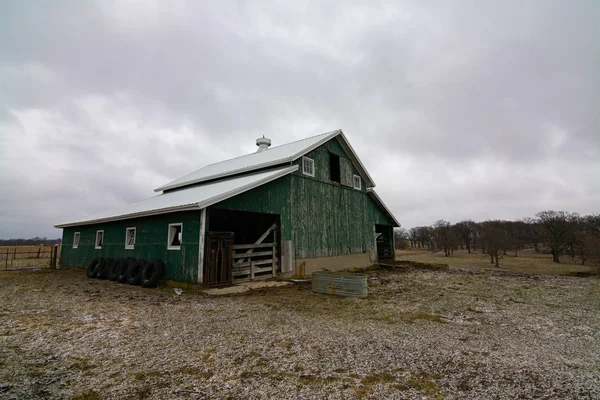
(332,220)
(150,242)
(270,198)
(328,218)
(321,157)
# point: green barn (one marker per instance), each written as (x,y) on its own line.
(289,209)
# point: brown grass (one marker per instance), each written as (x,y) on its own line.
(419,333)
(529,263)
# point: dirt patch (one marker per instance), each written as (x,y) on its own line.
(413,264)
(420,334)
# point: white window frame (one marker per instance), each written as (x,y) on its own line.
(170,239)
(311,162)
(359,187)
(96,242)
(76,235)
(127,245)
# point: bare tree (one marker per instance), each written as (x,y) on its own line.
(413,236)
(587,243)
(558,230)
(532,232)
(442,233)
(400,238)
(493,233)
(465,232)
(426,237)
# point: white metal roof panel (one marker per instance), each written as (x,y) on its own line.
(197,197)
(271,157)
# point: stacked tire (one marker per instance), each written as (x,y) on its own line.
(127,270)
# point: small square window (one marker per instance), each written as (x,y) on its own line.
(130,238)
(357,183)
(76,240)
(308,166)
(99,239)
(175,236)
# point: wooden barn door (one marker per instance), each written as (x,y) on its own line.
(220,248)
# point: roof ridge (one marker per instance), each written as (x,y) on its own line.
(274,147)
(249,154)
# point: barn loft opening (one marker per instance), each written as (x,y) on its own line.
(334,168)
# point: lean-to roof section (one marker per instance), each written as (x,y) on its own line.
(268,158)
(194,198)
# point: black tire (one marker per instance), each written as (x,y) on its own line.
(91,269)
(123,268)
(113,272)
(152,273)
(134,273)
(103,268)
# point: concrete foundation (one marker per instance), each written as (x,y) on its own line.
(306,266)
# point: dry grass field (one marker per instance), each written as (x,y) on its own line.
(527,262)
(447,334)
(19,257)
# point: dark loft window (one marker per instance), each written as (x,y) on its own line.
(177,236)
(334,168)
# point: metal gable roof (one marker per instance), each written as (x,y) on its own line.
(271,157)
(194,198)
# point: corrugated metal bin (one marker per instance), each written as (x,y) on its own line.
(339,283)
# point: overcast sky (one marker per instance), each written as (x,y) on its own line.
(458,109)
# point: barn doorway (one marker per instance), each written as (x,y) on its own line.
(219,261)
(384,236)
(255,245)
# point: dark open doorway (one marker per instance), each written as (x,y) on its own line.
(256,242)
(384,235)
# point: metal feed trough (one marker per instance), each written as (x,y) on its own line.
(339,283)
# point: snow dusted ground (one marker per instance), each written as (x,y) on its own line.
(449,334)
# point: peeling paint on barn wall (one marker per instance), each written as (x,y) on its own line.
(150,243)
(331,219)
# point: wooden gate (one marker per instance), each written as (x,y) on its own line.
(218,265)
(256,261)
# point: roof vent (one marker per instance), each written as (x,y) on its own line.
(263,144)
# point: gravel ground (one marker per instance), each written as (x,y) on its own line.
(420,334)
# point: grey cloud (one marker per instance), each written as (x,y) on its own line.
(105,101)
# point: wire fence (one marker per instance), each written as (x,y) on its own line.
(14,258)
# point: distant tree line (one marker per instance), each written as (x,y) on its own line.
(35,241)
(563,233)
